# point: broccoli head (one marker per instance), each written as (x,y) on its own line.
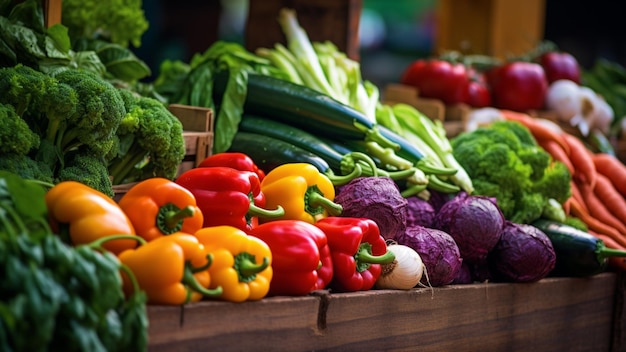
(99,111)
(26,167)
(149,142)
(16,137)
(505,162)
(87,168)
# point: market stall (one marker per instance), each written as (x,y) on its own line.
(270,197)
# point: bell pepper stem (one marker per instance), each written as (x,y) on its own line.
(253,210)
(170,217)
(315,200)
(247,268)
(364,257)
(97,244)
(193,284)
(338,180)
(209,261)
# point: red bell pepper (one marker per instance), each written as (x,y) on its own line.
(301,256)
(227,196)
(238,161)
(357,250)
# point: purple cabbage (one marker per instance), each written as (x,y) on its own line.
(475,223)
(523,254)
(420,212)
(376,198)
(438,252)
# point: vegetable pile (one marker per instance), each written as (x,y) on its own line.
(313,183)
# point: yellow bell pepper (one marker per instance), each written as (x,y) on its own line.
(301,190)
(81,215)
(241,263)
(171,269)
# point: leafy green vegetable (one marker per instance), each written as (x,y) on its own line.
(192,84)
(119,21)
(54,296)
(504,161)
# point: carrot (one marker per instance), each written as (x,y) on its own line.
(596,225)
(598,209)
(580,157)
(610,197)
(578,196)
(558,153)
(539,130)
(614,262)
(613,168)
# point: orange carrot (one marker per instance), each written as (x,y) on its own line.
(558,153)
(613,168)
(598,209)
(567,206)
(614,262)
(539,130)
(580,157)
(577,196)
(610,197)
(596,225)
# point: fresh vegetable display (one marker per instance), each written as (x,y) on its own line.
(312,186)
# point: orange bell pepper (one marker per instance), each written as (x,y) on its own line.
(158,207)
(170,269)
(241,263)
(81,215)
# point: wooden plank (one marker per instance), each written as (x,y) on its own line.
(271,324)
(193,118)
(556,314)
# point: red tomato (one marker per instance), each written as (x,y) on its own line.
(560,65)
(437,79)
(518,86)
(477,91)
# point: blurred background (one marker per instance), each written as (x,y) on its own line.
(391,33)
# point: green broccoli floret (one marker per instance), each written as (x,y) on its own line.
(16,137)
(149,141)
(99,111)
(87,168)
(505,162)
(26,167)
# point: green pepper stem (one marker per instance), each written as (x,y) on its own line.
(314,199)
(338,180)
(247,268)
(131,277)
(209,258)
(170,217)
(254,210)
(97,244)
(190,281)
(364,257)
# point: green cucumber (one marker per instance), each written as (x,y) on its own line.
(292,135)
(578,253)
(303,107)
(269,153)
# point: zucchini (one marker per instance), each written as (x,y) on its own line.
(302,107)
(268,153)
(578,253)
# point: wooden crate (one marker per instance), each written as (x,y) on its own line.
(554,314)
(197,132)
(498,28)
(334,20)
